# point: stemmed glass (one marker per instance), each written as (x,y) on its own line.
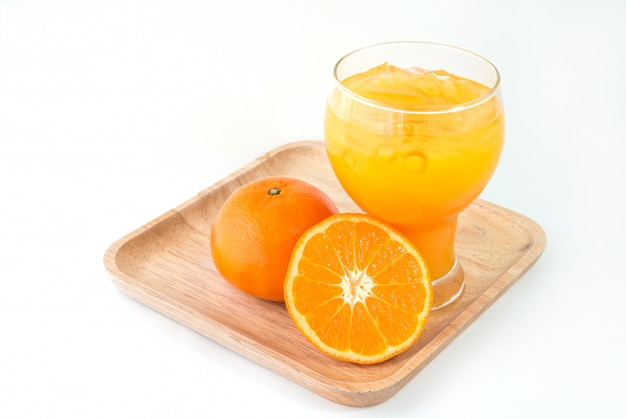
(414,132)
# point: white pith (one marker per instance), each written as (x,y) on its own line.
(357,287)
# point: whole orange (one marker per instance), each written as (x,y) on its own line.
(257,227)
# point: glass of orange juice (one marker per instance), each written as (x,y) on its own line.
(414,132)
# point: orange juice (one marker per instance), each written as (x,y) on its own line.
(414,148)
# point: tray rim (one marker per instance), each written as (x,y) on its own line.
(354,393)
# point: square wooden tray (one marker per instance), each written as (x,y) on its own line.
(166,264)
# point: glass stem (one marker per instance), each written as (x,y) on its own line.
(436,244)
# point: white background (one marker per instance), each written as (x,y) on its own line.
(113,112)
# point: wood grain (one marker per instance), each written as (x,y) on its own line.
(166,264)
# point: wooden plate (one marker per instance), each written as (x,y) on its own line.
(166,264)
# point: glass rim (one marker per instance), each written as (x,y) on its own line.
(416,109)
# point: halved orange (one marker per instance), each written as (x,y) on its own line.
(357,289)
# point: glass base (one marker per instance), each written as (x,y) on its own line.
(449,287)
